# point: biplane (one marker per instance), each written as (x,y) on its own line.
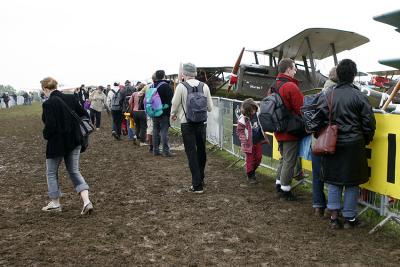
(214,77)
(305,48)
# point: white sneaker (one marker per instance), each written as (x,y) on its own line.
(87,209)
(52,207)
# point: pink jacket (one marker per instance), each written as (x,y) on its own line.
(134,101)
(245,134)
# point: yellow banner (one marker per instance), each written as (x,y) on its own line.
(383,156)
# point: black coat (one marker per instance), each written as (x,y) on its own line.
(61,129)
(355,119)
(352,113)
(166,93)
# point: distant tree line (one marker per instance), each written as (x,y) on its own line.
(7,88)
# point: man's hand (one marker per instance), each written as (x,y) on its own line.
(173,117)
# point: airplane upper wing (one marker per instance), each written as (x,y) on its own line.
(321,40)
(394,63)
(391,18)
(214,69)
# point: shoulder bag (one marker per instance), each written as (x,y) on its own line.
(326,141)
(86,127)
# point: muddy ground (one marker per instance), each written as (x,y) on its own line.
(145,216)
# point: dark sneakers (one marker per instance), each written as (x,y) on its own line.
(251,177)
(252,180)
(196,191)
(168,155)
(350,223)
(335,224)
(115,135)
(319,212)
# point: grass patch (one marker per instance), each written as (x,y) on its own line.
(22,111)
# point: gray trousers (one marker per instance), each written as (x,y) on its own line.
(289,153)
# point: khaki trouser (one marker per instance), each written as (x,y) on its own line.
(289,153)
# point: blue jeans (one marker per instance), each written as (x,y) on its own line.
(318,195)
(160,133)
(72,164)
(131,131)
(349,202)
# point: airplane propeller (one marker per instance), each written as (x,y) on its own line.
(233,78)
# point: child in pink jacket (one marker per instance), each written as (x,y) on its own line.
(251,137)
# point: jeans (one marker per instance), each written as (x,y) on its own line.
(140,124)
(95,116)
(117,120)
(72,164)
(349,202)
(131,131)
(318,195)
(194,140)
(287,162)
(160,131)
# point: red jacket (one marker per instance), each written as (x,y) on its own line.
(293,99)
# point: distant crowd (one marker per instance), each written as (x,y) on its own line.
(10,100)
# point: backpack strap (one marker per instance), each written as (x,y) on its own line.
(283,81)
(73,113)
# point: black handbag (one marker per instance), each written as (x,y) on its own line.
(86,126)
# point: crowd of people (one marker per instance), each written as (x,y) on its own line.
(143,113)
(340,103)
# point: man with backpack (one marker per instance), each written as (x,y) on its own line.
(161,122)
(115,99)
(192,100)
(287,87)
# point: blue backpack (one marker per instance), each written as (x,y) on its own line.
(152,102)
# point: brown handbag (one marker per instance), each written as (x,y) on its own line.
(326,141)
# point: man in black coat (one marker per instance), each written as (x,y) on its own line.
(161,124)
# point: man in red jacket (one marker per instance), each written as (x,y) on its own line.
(288,143)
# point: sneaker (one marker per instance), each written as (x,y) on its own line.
(155,153)
(52,207)
(196,191)
(168,155)
(350,223)
(252,180)
(288,196)
(87,209)
(115,135)
(334,224)
(97,129)
(319,212)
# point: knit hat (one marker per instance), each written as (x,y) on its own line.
(189,69)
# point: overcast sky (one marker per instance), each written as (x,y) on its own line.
(99,42)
